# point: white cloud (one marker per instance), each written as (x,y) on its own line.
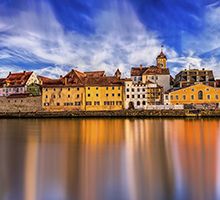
(120,40)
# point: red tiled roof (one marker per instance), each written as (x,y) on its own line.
(138,71)
(17,79)
(77,78)
(156,70)
(161,55)
(95,74)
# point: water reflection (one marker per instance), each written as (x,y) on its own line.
(109,159)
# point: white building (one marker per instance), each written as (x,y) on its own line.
(16,83)
(141,95)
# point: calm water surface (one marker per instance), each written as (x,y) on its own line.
(103,159)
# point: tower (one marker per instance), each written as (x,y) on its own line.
(162,59)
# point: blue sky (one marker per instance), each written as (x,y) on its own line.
(53,36)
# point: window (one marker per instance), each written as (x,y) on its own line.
(143,90)
(77,89)
(184,97)
(77,103)
(88,103)
(128,96)
(97,95)
(119,88)
(208,96)
(58,104)
(54,96)
(139,96)
(77,96)
(166,97)
(68,96)
(113,94)
(193,89)
(132,89)
(144,103)
(143,95)
(68,89)
(133,96)
(200,95)
(171,97)
(138,89)
(60,96)
(46,89)
(177,97)
(216,96)
(127,89)
(138,103)
(192,97)
(46,96)
(119,94)
(106,88)
(96,103)
(97,88)
(88,95)
(113,88)
(106,95)
(88,88)
(54,89)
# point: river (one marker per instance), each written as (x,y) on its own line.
(109,159)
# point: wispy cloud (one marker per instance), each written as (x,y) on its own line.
(120,40)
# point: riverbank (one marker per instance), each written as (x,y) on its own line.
(115,114)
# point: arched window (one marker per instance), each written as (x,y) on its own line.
(200,95)
(144,103)
(138,103)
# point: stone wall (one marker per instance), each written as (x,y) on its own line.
(20,104)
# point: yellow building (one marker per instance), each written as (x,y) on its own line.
(195,94)
(63,94)
(90,91)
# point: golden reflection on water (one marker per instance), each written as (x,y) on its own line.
(101,159)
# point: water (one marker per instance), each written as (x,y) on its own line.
(103,159)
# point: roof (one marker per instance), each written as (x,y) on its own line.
(77,78)
(17,79)
(161,55)
(95,74)
(138,71)
(103,81)
(156,70)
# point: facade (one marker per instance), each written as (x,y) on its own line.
(17,83)
(195,94)
(158,74)
(141,95)
(192,76)
(88,91)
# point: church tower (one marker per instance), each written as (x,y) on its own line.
(162,59)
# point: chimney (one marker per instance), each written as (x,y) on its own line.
(65,81)
(141,67)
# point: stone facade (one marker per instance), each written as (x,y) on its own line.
(20,104)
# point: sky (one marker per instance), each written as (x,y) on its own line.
(52,36)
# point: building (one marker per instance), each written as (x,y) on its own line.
(65,93)
(89,91)
(141,95)
(17,83)
(104,92)
(195,94)
(158,74)
(190,77)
